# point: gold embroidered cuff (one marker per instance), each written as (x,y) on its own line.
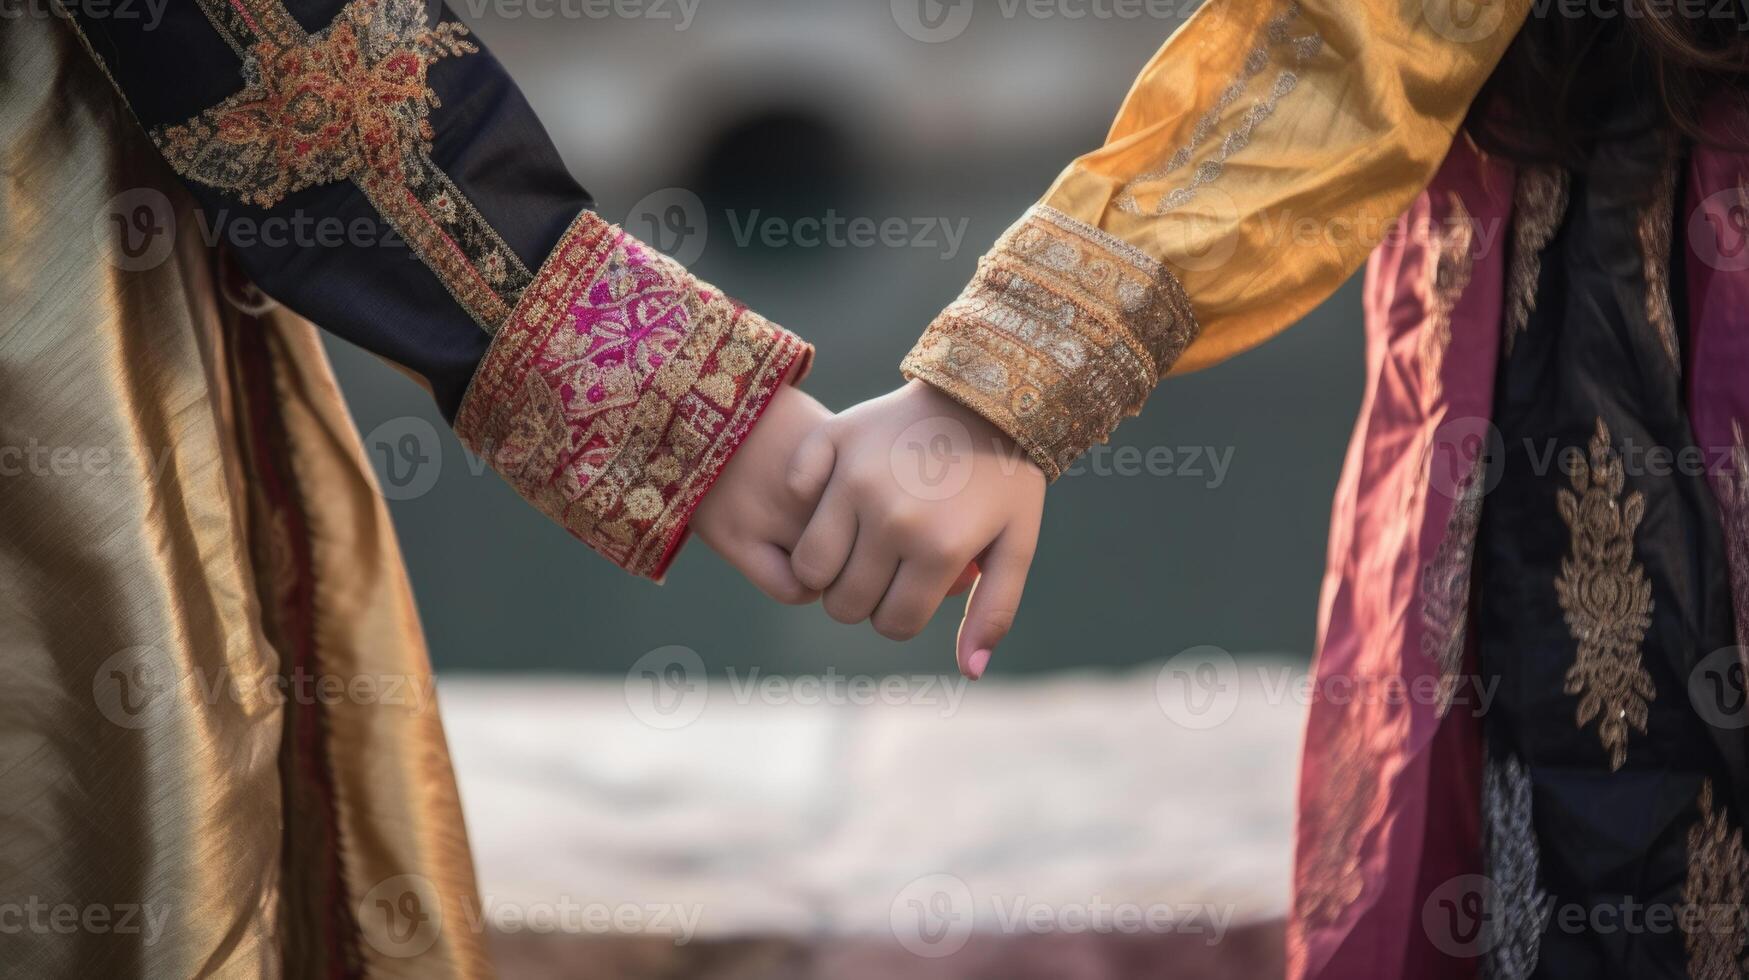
(618,389)
(1062,334)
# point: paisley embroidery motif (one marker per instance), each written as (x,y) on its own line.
(619,389)
(350,102)
(1063,332)
(1452,264)
(1606,598)
(1278,37)
(1538,205)
(1521,907)
(1655,224)
(1445,587)
(1715,894)
(1731,487)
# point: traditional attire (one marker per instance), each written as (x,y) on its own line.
(219,755)
(1526,750)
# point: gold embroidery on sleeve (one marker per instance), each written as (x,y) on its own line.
(1606,598)
(619,389)
(1063,332)
(1538,205)
(1277,45)
(350,102)
(1716,922)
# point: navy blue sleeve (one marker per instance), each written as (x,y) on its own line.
(369,164)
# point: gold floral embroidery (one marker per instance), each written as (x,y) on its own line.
(1655,224)
(1063,332)
(1732,490)
(1521,908)
(618,390)
(348,100)
(1717,929)
(1450,268)
(1277,36)
(1606,598)
(351,102)
(1539,203)
(1445,586)
(1329,878)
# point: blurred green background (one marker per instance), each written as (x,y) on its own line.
(809,109)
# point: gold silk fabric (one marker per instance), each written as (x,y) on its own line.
(1258,159)
(219,749)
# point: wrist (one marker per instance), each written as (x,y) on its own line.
(934,401)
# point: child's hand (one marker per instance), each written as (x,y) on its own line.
(751,517)
(914,487)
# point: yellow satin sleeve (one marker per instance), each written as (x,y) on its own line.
(1257,160)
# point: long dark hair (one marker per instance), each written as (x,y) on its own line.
(1566,78)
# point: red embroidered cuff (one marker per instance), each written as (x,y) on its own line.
(617,391)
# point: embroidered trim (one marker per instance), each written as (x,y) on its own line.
(1521,907)
(1655,225)
(350,102)
(1445,587)
(1063,332)
(617,391)
(1276,35)
(1539,203)
(1715,894)
(1606,598)
(1329,878)
(1731,487)
(1453,264)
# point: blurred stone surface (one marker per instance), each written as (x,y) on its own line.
(796,827)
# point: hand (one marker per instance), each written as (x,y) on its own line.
(914,489)
(751,517)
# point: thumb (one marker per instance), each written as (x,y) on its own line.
(994,601)
(810,468)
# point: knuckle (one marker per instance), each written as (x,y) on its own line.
(906,519)
(810,574)
(842,610)
(803,483)
(791,593)
(897,628)
(810,569)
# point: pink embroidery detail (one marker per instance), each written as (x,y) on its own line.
(617,391)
